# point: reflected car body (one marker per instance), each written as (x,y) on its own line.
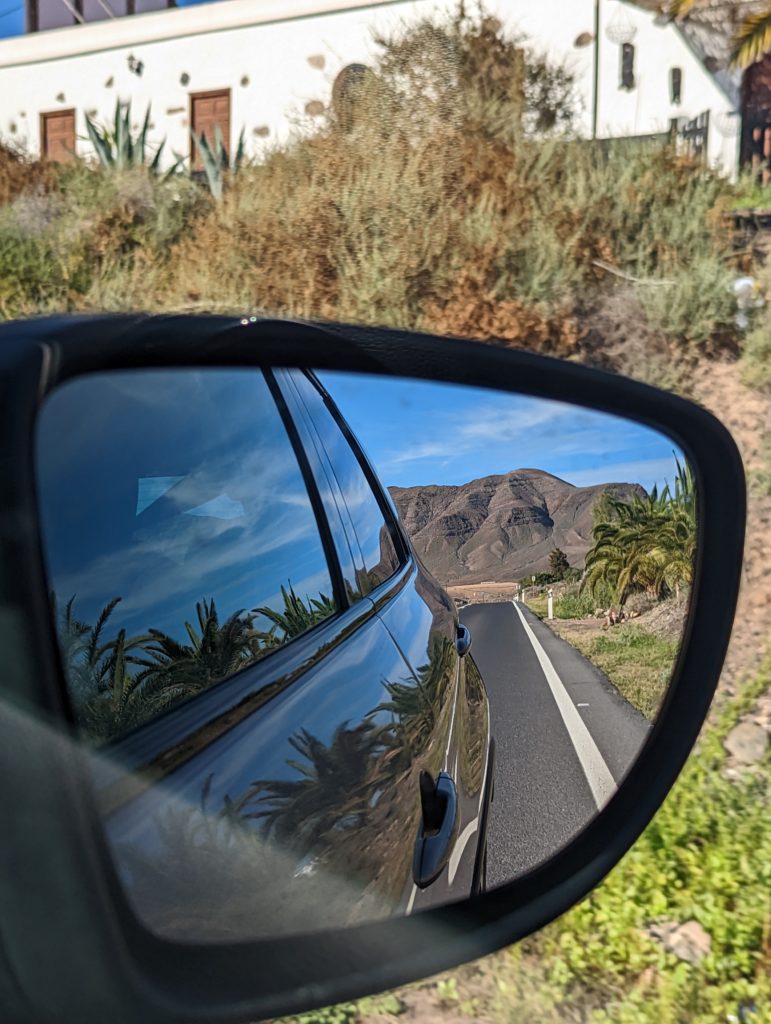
(292,794)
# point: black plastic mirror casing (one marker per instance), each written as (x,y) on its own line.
(70,948)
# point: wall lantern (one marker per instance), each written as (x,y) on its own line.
(728,123)
(620,29)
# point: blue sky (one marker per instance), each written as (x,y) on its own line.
(11,18)
(427,433)
(12,15)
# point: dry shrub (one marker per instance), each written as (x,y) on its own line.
(371,218)
(472,310)
(20,173)
(618,335)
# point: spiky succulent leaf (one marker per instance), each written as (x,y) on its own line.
(100,140)
(240,150)
(211,166)
(142,140)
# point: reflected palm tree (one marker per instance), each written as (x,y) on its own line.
(215,652)
(74,638)
(295,618)
(333,788)
(102,679)
(415,704)
(118,683)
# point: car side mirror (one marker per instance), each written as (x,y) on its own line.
(252,761)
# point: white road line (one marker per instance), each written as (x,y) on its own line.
(596,771)
(411,901)
(460,845)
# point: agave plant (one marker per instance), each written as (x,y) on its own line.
(216,160)
(119,148)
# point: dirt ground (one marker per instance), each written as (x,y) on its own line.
(482,591)
(747,414)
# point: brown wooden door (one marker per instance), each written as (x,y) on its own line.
(208,109)
(57,135)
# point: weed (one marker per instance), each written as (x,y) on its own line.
(638,663)
(756,358)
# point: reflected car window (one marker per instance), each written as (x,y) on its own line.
(181,543)
(372,530)
(340,527)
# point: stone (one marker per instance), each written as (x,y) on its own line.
(746,742)
(689,941)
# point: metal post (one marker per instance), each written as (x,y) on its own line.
(596,69)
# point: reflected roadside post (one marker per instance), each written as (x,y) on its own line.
(550,604)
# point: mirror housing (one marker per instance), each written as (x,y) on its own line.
(70,946)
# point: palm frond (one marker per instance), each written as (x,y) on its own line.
(752,40)
(682,8)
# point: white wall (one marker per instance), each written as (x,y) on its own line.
(260,49)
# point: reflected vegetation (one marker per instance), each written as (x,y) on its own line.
(120,683)
(644,544)
(327,839)
(298,799)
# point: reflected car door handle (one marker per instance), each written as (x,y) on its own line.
(463,639)
(439,819)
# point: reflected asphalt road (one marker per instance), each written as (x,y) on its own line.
(564,737)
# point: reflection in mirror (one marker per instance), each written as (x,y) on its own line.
(321,687)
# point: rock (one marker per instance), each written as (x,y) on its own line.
(746,742)
(689,941)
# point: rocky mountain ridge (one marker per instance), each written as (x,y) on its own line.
(501,527)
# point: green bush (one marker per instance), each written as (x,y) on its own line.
(706,857)
(698,303)
(756,358)
(750,194)
(39,273)
(574,606)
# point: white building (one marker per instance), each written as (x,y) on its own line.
(264,65)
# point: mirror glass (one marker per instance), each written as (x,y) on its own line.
(345,647)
